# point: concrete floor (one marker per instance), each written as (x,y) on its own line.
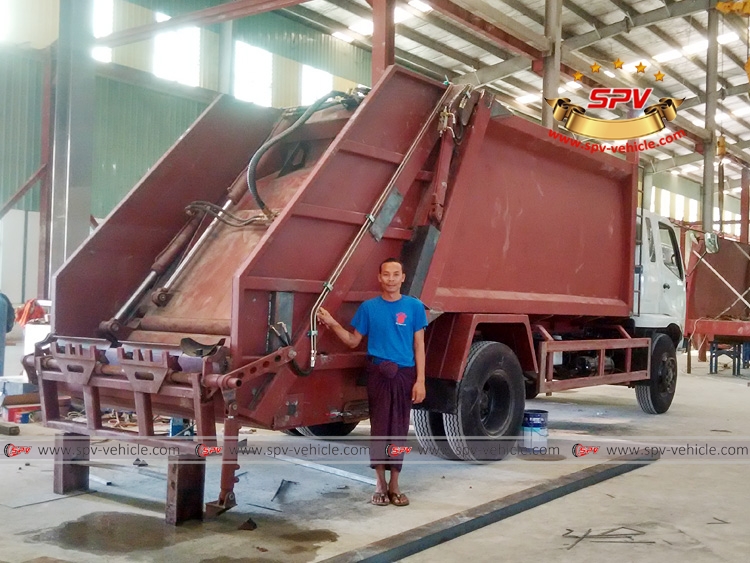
(668,511)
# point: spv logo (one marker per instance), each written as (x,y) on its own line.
(609,98)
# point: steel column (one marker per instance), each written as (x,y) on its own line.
(745,205)
(383,37)
(551,79)
(48,103)
(709,146)
(73,134)
(226,58)
(648,189)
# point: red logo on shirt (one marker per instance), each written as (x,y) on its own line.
(401,319)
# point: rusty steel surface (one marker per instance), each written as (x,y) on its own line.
(709,298)
(536,227)
(101,274)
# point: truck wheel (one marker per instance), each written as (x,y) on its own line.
(490,404)
(292,432)
(430,432)
(328,430)
(656,393)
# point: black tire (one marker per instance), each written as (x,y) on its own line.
(292,432)
(656,393)
(328,430)
(428,426)
(490,404)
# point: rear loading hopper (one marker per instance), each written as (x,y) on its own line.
(210,315)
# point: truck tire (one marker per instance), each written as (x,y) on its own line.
(656,393)
(292,432)
(490,404)
(328,430)
(428,426)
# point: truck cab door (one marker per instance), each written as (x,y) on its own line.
(647,275)
(672,274)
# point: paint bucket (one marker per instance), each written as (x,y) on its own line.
(534,429)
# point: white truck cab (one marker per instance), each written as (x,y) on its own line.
(659,301)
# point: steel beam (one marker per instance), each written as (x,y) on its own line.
(217,14)
(709,147)
(45,189)
(490,31)
(686,7)
(407,32)
(307,16)
(73,134)
(27,185)
(677,10)
(551,78)
(383,37)
(745,205)
(226,58)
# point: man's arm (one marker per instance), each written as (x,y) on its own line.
(351,339)
(418,391)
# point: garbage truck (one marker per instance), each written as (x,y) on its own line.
(197,296)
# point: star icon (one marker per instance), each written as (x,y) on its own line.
(659,76)
(619,63)
(640,67)
(595,67)
(578,75)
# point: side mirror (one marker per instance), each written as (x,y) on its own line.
(712,243)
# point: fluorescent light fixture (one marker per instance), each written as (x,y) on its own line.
(721,115)
(697,47)
(562,90)
(401,15)
(363,27)
(161,17)
(421,6)
(727,38)
(739,112)
(342,36)
(736,190)
(630,67)
(609,73)
(731,141)
(667,56)
(573,85)
(688,168)
(675,172)
(528,98)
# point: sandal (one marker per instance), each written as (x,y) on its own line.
(380,499)
(398,499)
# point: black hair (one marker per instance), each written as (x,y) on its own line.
(389,261)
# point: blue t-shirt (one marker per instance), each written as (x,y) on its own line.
(390,327)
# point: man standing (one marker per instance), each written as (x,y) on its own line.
(394,325)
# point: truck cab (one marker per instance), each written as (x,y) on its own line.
(659,301)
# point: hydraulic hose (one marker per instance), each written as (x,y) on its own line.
(253,164)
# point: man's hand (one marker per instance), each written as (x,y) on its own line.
(326,318)
(418,392)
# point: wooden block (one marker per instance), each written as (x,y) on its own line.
(9,429)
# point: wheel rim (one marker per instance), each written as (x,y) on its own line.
(667,374)
(494,403)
